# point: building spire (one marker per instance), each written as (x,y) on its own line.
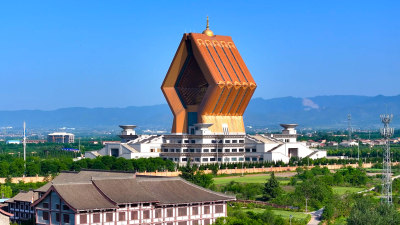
(207,31)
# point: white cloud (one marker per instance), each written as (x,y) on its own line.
(310,104)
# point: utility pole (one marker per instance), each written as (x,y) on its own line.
(306,205)
(24,146)
(386,133)
(358,150)
(349,126)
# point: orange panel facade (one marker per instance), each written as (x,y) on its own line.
(208,82)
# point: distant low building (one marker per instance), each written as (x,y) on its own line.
(332,143)
(61,137)
(348,143)
(35,141)
(13,142)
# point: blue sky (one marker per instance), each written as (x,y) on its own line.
(56,54)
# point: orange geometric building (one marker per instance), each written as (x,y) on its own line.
(208,82)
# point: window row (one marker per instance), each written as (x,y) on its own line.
(65,217)
(206,150)
(146,214)
(219,141)
(23,206)
(45,205)
(254,159)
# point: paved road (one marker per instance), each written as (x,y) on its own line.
(373,188)
(316,217)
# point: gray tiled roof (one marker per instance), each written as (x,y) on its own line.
(102,189)
(24,196)
(83,196)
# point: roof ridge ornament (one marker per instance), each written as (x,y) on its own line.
(207,31)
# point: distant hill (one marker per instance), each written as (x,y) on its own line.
(321,112)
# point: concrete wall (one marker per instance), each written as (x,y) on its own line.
(24,179)
(258,170)
(221,171)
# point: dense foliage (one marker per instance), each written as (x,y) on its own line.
(246,191)
(9,189)
(192,174)
(316,186)
(348,176)
(237,216)
(272,188)
(368,211)
(11,166)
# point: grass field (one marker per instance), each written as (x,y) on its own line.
(340,221)
(286,214)
(282,213)
(258,179)
(343,190)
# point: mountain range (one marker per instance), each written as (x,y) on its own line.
(321,112)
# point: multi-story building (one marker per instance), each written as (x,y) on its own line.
(279,147)
(61,137)
(115,198)
(20,206)
(208,88)
(203,147)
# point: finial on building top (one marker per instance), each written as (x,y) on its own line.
(207,31)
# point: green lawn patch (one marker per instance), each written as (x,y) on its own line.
(340,221)
(286,214)
(258,179)
(344,190)
(282,213)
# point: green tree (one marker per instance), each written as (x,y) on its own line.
(4,169)
(191,174)
(315,190)
(272,188)
(368,212)
(5,191)
(122,164)
(17,167)
(32,168)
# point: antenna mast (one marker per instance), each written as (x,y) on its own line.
(386,133)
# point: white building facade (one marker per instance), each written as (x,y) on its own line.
(205,147)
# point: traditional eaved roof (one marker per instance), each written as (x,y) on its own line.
(88,190)
(24,196)
(84,176)
(5,213)
(178,191)
(124,190)
(82,196)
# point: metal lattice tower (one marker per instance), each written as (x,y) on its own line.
(349,126)
(386,133)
